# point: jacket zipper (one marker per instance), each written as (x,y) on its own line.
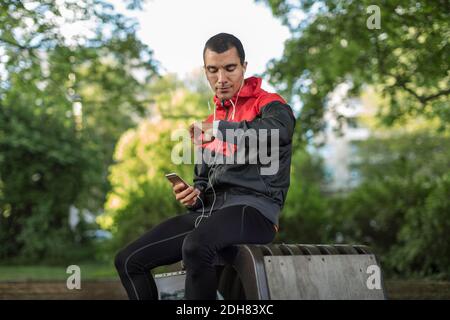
(214,172)
(226,115)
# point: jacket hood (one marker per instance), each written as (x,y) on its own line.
(251,88)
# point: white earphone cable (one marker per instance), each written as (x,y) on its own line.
(198,220)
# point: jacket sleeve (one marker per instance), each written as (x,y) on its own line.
(200,182)
(274,115)
(201,176)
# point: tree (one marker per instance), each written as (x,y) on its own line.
(401,208)
(304,216)
(406,59)
(141,197)
(64,101)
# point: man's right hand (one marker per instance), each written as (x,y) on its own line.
(188,196)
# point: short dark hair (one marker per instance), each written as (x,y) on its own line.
(222,42)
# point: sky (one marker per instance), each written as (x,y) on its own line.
(177,30)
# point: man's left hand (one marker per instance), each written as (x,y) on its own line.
(197,128)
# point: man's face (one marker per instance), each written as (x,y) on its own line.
(224,72)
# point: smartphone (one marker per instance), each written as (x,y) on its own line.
(176,179)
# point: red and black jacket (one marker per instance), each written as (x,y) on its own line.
(255,109)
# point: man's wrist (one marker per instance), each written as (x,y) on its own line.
(200,186)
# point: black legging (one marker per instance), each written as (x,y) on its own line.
(176,239)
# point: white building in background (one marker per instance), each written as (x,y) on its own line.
(75,217)
(344,129)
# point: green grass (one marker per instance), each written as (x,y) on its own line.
(417,289)
(89,271)
(395,288)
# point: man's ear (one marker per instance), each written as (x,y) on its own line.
(244,67)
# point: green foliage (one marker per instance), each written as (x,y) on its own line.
(141,197)
(37,168)
(304,216)
(406,59)
(401,209)
(144,209)
(434,226)
(53,156)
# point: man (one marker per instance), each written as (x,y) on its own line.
(230,203)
